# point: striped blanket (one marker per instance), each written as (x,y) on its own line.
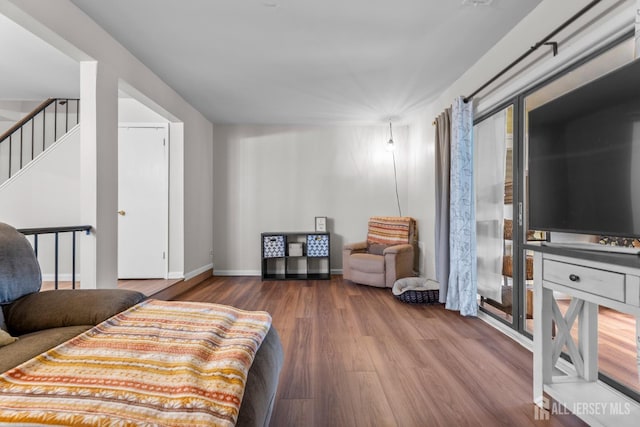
(386,230)
(158,363)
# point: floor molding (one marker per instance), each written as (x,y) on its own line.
(183,286)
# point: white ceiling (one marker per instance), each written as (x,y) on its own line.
(31,69)
(306,61)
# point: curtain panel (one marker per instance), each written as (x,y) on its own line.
(462,292)
(489,166)
(443,149)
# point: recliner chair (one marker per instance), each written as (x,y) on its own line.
(388,254)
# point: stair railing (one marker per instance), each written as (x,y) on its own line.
(56,231)
(36,132)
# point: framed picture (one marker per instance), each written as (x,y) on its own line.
(321,223)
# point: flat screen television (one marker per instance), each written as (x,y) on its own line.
(584,158)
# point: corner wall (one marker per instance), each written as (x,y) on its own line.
(278,178)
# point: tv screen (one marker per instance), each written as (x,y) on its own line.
(584,158)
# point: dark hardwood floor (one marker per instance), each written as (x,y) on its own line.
(355,356)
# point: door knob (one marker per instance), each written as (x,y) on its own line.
(123,213)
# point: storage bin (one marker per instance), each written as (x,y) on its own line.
(273,246)
(317,245)
(295,249)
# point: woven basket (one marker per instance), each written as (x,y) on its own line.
(419,297)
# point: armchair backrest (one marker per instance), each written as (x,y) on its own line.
(389,230)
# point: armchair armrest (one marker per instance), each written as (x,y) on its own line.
(356,247)
(67,307)
(398,260)
(398,249)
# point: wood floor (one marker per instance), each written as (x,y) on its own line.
(355,356)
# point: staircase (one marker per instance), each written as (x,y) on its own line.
(35,133)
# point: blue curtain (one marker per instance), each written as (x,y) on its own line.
(463,286)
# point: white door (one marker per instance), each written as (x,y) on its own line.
(142,202)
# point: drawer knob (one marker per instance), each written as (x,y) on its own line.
(574,278)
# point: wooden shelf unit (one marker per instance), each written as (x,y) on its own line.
(312,264)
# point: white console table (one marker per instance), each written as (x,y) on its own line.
(590,279)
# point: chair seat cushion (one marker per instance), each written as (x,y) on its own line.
(367,263)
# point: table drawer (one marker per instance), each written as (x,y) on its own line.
(604,283)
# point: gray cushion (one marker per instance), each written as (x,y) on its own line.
(19,269)
(376,248)
(67,307)
(31,345)
(262,383)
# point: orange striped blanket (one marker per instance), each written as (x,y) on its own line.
(158,363)
(388,230)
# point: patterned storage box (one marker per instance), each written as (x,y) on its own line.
(273,246)
(317,245)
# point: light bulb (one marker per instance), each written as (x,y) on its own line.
(391,146)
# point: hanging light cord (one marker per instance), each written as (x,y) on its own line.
(395,175)
(395,172)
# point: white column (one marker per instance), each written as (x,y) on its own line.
(99,175)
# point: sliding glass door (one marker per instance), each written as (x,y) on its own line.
(494,180)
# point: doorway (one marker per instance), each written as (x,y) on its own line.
(143,201)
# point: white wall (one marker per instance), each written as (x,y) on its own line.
(46,193)
(421,186)
(67,28)
(12,111)
(131,110)
(278,178)
(604,23)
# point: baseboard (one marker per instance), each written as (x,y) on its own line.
(237,273)
(183,286)
(255,272)
(67,276)
(508,331)
(175,275)
(61,277)
(197,271)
